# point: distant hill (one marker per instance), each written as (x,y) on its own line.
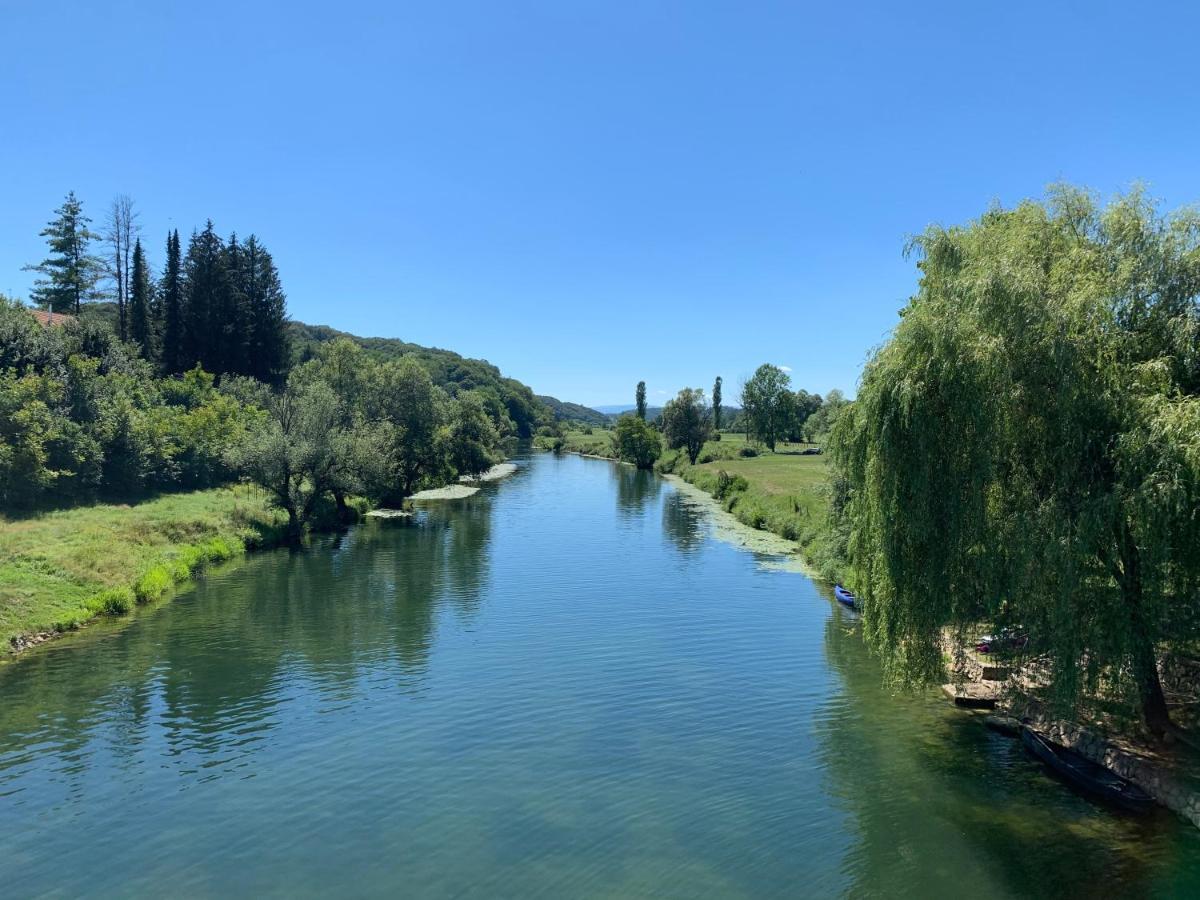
(448,369)
(573,412)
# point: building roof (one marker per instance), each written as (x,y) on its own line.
(46,319)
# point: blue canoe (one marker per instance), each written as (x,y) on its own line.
(845,596)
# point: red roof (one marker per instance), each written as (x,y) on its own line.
(46,319)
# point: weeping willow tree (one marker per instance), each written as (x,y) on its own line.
(1026,446)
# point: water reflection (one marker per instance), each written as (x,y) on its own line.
(213,673)
(955,790)
(636,489)
(683,521)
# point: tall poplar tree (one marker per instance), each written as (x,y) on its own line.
(716,404)
(70,271)
(640,398)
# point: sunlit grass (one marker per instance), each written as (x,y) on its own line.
(62,568)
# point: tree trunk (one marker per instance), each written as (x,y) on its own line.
(294,530)
(343,511)
(1145,664)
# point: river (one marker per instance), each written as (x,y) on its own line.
(564,686)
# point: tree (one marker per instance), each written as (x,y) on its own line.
(820,423)
(686,422)
(471,439)
(266,310)
(205,286)
(299,452)
(716,404)
(765,403)
(641,400)
(1027,445)
(171,302)
(636,442)
(403,399)
(120,231)
(804,405)
(71,272)
(141,322)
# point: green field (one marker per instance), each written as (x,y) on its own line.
(60,569)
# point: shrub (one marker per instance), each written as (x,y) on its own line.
(748,451)
(728,484)
(151,586)
(116,601)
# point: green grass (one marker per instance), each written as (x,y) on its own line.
(598,443)
(60,569)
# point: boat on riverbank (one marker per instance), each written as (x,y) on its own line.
(1088,776)
(845,597)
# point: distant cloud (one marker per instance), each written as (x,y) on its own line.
(785,368)
(664,393)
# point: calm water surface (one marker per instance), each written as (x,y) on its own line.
(562,687)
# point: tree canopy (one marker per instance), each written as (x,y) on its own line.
(766,404)
(1026,447)
(687,422)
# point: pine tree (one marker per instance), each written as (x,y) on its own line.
(205,288)
(141,324)
(172,312)
(71,273)
(232,327)
(268,350)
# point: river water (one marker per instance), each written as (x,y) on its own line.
(565,686)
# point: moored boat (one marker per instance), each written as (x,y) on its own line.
(1086,775)
(844,596)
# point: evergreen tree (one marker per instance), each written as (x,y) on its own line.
(141,322)
(171,309)
(70,271)
(716,404)
(205,287)
(231,323)
(640,398)
(267,314)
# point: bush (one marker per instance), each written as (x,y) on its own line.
(715,436)
(587,429)
(151,586)
(729,484)
(113,602)
(748,451)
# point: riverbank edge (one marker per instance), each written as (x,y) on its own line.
(1136,762)
(809,546)
(179,563)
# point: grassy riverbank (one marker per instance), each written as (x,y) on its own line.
(785,492)
(61,569)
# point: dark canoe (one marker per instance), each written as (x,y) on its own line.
(844,596)
(1086,775)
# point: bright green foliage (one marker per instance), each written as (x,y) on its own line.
(636,442)
(1026,447)
(70,273)
(766,404)
(82,418)
(823,415)
(687,422)
(471,439)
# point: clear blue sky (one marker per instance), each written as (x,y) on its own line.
(590,193)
